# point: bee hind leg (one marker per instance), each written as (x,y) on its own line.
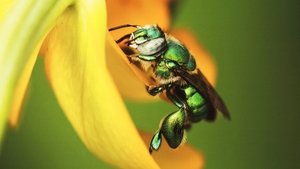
(173,128)
(155,142)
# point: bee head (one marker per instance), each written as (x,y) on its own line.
(148,39)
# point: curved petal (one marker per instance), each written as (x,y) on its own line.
(204,61)
(140,12)
(76,68)
(5,7)
(130,81)
(21,32)
(21,87)
(183,157)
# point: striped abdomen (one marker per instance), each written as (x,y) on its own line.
(196,106)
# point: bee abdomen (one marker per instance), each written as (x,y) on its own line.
(197,105)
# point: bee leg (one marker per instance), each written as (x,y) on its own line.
(179,102)
(174,98)
(147,58)
(172,128)
(154,90)
(155,142)
(133,57)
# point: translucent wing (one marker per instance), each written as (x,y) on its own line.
(201,84)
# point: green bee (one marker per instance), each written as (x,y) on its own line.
(169,63)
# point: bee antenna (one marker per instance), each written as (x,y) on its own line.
(123,26)
(123,37)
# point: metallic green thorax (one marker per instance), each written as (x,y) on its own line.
(178,54)
(175,55)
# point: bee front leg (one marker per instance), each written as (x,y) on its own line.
(133,58)
(154,90)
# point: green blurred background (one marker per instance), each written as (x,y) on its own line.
(255,44)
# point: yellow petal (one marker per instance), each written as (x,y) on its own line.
(183,157)
(21,87)
(203,59)
(76,67)
(141,12)
(130,81)
(5,7)
(21,32)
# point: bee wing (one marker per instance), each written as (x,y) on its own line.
(201,84)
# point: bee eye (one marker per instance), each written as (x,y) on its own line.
(141,39)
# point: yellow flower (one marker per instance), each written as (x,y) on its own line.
(83,65)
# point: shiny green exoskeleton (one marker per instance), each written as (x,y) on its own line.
(169,63)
